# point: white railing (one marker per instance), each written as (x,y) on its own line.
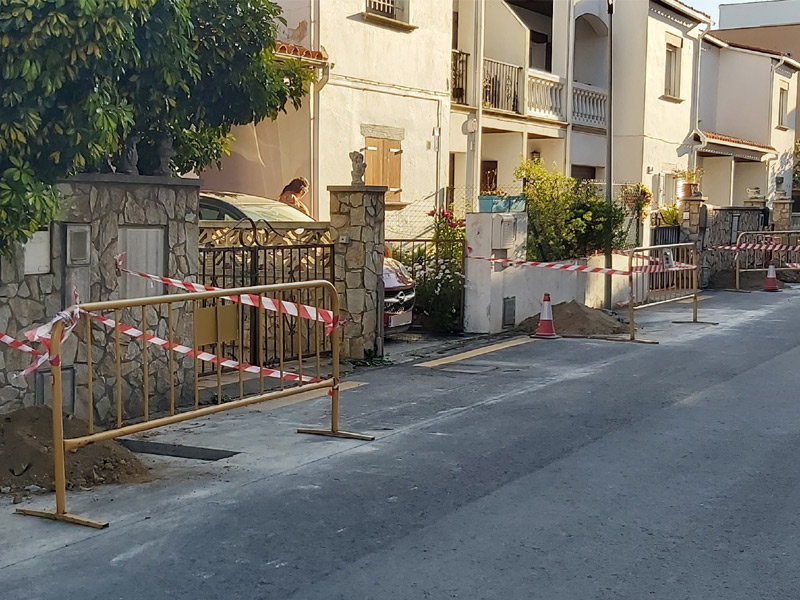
(545,95)
(589,105)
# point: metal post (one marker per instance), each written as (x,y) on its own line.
(609,154)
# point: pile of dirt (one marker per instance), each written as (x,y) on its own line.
(726,280)
(26,455)
(572,318)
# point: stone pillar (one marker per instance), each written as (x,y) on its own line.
(690,218)
(357,230)
(782,213)
(755,202)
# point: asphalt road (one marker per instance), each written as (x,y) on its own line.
(552,470)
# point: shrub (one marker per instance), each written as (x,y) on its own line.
(566,219)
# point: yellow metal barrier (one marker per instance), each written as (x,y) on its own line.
(211,320)
(757,260)
(662,274)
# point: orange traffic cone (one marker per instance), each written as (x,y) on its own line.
(771,282)
(545,328)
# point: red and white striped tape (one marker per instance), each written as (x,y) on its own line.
(548,265)
(760,246)
(42,334)
(293,309)
(204,356)
(17,345)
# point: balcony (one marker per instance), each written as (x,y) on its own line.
(458,88)
(546,96)
(589,105)
(501,85)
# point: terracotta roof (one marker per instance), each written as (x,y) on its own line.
(299,51)
(748,47)
(721,137)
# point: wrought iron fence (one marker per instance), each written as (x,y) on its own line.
(459,77)
(501,85)
(252,264)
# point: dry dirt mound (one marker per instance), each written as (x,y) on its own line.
(572,318)
(26,454)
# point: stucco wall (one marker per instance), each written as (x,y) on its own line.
(709,87)
(266,156)
(591,52)
(588,149)
(717,179)
(746,117)
(506,36)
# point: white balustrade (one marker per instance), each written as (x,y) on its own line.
(545,95)
(589,105)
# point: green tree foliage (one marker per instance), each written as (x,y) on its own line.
(77,76)
(566,219)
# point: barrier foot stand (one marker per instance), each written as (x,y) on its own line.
(696,322)
(66,517)
(340,434)
(737,291)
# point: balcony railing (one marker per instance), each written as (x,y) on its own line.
(459,77)
(501,85)
(589,105)
(545,96)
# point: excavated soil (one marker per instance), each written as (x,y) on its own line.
(26,455)
(572,318)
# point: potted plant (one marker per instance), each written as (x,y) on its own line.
(688,182)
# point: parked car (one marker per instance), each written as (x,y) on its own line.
(399,293)
(229,206)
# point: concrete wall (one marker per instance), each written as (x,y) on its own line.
(106,204)
(488,284)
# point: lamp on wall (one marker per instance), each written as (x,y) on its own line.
(536,155)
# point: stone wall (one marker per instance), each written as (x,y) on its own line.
(104,203)
(357,229)
(719,232)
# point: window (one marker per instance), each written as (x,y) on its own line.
(584,173)
(396,10)
(672,84)
(383,158)
(783,107)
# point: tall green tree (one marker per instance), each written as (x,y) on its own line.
(78,76)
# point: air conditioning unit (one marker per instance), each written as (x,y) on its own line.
(504,232)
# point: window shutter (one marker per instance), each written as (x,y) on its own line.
(373,158)
(393,162)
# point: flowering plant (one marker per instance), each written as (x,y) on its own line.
(440,276)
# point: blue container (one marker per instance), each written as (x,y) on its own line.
(499,204)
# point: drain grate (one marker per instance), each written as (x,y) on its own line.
(176,450)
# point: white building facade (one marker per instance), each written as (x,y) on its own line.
(383,90)
(746,132)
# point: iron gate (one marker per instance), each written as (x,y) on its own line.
(242,260)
